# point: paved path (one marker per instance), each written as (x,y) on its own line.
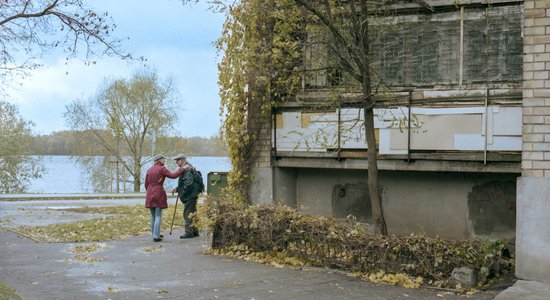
(137,268)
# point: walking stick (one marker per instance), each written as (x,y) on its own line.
(174,215)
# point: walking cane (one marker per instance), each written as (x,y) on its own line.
(174,215)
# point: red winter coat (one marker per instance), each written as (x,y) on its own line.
(154,180)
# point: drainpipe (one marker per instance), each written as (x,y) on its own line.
(486,123)
(461,50)
(274,148)
(339,146)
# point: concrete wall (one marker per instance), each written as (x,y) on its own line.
(533,232)
(260,189)
(451,205)
(261,185)
(431,202)
(285,186)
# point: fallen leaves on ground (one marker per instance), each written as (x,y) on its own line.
(80,253)
(401,279)
(86,248)
(281,260)
(85,258)
(152,249)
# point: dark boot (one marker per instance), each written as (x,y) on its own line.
(188,234)
(195,232)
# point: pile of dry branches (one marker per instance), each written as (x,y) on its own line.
(346,244)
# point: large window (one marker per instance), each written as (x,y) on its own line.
(425,49)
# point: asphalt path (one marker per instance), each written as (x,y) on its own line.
(137,268)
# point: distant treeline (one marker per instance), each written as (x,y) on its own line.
(82,143)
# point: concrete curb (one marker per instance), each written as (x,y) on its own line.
(522,289)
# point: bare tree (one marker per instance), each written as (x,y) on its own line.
(127,110)
(30,28)
(348,25)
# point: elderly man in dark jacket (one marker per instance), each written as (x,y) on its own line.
(188,192)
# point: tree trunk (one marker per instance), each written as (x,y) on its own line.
(372,150)
(117,175)
(376,204)
(137,175)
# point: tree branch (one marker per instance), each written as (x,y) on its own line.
(420,3)
(47,10)
(326,20)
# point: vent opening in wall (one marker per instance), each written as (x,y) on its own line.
(492,208)
(351,199)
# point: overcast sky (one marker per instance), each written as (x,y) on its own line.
(177,41)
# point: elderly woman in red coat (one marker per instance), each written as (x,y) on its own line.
(155,197)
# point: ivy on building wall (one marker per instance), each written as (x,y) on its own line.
(262,47)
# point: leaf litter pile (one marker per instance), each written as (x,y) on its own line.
(281,236)
(81,253)
(121,222)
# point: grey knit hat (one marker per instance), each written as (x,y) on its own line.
(158,156)
(180,156)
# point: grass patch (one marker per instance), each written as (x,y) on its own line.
(7,293)
(123,222)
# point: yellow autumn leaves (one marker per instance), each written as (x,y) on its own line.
(394,279)
(279,259)
(81,253)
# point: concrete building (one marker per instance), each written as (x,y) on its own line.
(463,139)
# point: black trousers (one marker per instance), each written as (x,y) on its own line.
(189,207)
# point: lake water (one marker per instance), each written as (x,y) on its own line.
(64,175)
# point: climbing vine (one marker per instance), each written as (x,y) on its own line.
(261,44)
